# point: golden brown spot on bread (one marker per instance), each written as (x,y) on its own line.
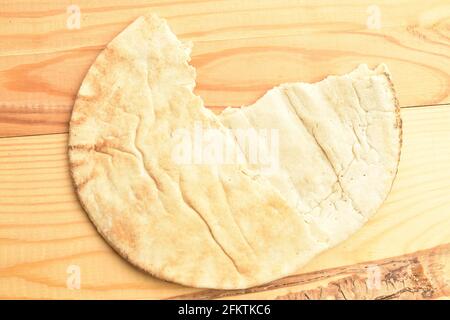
(81,147)
(124,232)
(75,164)
(78,121)
(99,146)
(81,185)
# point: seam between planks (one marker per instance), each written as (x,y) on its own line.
(65,132)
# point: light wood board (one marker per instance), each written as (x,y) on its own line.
(43,230)
(241,49)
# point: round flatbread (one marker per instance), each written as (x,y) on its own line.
(226,224)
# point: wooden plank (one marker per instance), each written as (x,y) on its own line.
(43,230)
(241,48)
(421,275)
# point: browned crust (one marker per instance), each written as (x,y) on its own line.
(73,165)
(119,251)
(399,124)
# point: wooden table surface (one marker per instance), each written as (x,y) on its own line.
(241,49)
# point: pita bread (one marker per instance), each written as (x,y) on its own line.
(339,149)
(229,225)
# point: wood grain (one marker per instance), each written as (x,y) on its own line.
(43,230)
(241,49)
(422,275)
